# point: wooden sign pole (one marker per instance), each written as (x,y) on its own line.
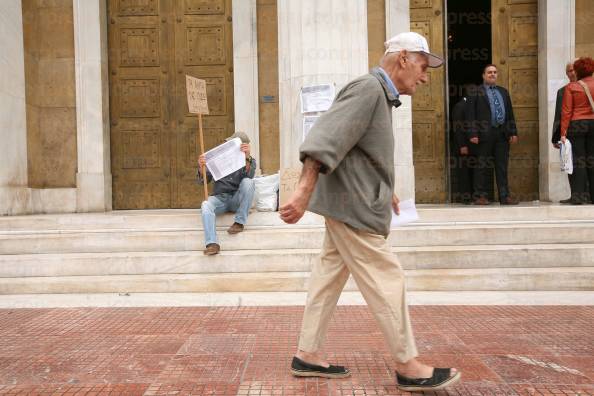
(202,149)
(198,104)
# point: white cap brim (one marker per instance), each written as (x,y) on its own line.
(432,59)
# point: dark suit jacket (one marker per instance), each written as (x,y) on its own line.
(557,121)
(479,114)
(459,123)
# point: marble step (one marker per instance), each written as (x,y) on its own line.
(264,238)
(241,299)
(288,260)
(499,279)
(190,218)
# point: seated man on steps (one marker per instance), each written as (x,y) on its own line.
(232,193)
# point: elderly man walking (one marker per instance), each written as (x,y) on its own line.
(348,177)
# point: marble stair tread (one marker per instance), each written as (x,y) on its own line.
(288,260)
(526,279)
(271,229)
(190,218)
(226,299)
(106,240)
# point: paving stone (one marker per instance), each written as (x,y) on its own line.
(501,351)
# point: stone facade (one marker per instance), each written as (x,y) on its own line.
(80,181)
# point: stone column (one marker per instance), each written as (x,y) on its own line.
(15,196)
(556,47)
(93,178)
(319,42)
(245,72)
(398,21)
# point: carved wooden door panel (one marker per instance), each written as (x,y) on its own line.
(139,61)
(154,141)
(203,49)
(428,123)
(515,52)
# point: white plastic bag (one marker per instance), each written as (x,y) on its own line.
(566,157)
(266,192)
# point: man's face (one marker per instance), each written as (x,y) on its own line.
(490,75)
(415,73)
(570,72)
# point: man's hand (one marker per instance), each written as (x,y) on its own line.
(513,139)
(202,161)
(464,150)
(293,210)
(395,202)
(474,140)
(557,145)
(563,139)
(245,148)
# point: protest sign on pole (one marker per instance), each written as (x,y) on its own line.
(197,104)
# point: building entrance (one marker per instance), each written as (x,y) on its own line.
(154,140)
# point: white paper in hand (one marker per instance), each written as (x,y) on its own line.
(225,159)
(408,213)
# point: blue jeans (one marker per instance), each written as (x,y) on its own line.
(238,202)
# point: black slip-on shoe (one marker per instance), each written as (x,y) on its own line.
(299,368)
(441,378)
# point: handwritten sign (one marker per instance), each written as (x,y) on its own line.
(289,177)
(196,90)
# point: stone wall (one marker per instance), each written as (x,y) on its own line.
(48,36)
(584,28)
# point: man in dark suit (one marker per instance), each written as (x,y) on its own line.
(557,122)
(464,159)
(492,130)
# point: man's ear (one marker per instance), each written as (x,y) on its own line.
(403,58)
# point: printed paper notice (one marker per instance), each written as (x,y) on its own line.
(308,122)
(225,159)
(196,91)
(316,98)
(408,213)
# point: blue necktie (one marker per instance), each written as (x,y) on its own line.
(498,109)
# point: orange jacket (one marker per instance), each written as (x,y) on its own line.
(575,104)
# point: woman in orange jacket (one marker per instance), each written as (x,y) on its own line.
(577,125)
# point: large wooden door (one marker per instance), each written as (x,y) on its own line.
(515,52)
(428,122)
(154,141)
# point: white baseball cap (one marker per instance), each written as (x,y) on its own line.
(412,42)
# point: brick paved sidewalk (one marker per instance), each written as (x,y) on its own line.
(502,350)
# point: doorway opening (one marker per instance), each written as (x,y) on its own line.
(468,38)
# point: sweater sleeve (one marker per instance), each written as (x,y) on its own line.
(557,118)
(252,172)
(208,176)
(338,130)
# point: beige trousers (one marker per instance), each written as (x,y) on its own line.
(380,279)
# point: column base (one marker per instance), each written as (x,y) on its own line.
(557,186)
(93,192)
